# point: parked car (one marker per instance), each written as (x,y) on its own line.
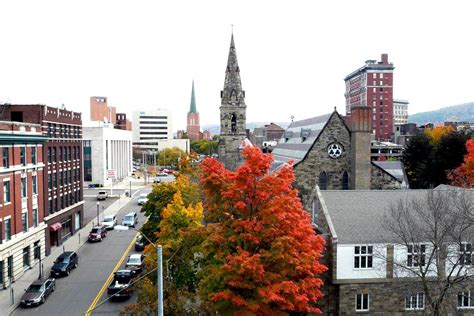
(109,221)
(102,195)
(97,233)
(142,199)
(139,243)
(135,263)
(131,219)
(162,174)
(65,263)
(38,291)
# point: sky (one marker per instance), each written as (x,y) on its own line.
(293,55)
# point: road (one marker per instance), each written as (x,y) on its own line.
(75,293)
(90,207)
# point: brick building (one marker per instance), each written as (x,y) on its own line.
(101,111)
(22,227)
(121,122)
(372,86)
(193,126)
(62,156)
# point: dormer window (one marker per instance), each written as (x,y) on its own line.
(233,123)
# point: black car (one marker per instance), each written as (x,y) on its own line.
(65,263)
(38,291)
(139,244)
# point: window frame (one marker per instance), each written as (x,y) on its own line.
(6,157)
(362,309)
(464,253)
(23,159)
(414,299)
(8,232)
(7,192)
(470,301)
(366,255)
(412,255)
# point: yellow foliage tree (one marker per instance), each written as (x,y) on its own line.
(435,134)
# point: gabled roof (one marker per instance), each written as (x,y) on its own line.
(394,169)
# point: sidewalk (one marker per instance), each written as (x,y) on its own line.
(127,184)
(72,244)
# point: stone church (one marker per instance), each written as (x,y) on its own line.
(233,116)
(328,153)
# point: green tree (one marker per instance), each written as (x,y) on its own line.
(204,147)
(169,157)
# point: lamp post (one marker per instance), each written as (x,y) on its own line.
(98,205)
(159,270)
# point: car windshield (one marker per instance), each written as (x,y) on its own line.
(64,260)
(129,218)
(143,196)
(134,260)
(107,219)
(34,288)
(94,230)
(102,192)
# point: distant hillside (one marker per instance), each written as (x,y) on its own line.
(456,113)
(215,129)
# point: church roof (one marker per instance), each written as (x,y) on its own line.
(232,83)
(298,138)
(393,168)
(192,107)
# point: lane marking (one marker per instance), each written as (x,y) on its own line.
(109,279)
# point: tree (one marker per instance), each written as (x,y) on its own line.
(428,160)
(204,147)
(162,195)
(180,234)
(169,156)
(435,134)
(434,230)
(262,254)
(463,175)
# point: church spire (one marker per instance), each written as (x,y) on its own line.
(192,107)
(232,85)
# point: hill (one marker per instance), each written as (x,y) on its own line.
(456,113)
(215,129)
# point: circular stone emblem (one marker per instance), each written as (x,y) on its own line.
(335,150)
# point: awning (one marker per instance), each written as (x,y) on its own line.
(54,227)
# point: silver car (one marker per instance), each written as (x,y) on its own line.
(38,291)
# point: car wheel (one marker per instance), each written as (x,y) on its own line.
(54,288)
(42,300)
(76,264)
(67,271)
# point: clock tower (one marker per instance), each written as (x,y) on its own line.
(233,116)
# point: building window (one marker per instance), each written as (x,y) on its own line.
(37,250)
(34,183)
(55,183)
(23,156)
(60,154)
(26,257)
(50,185)
(23,187)
(464,300)
(363,256)
(50,206)
(345,180)
(24,221)
(465,253)
(33,155)
(8,229)
(61,178)
(1,238)
(6,191)
(49,155)
(323,181)
(54,154)
(415,301)
(416,255)
(35,217)
(362,302)
(6,160)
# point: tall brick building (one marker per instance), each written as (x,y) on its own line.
(62,156)
(101,111)
(193,127)
(22,228)
(372,86)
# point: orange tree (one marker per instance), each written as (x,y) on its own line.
(261,256)
(463,175)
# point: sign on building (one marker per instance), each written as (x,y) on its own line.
(111,173)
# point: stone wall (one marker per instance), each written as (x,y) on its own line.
(381,180)
(307,171)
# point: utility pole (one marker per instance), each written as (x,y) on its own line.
(159,250)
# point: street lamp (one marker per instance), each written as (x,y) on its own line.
(159,255)
(98,205)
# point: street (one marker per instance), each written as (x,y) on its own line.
(75,293)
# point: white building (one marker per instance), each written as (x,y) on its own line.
(106,149)
(151,125)
(400,112)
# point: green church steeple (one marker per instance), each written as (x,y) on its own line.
(192,107)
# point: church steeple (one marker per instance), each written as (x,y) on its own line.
(232,85)
(192,107)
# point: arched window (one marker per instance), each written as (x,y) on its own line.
(323,181)
(345,180)
(233,123)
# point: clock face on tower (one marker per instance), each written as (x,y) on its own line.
(335,150)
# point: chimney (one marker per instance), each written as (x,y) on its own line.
(385,59)
(361,127)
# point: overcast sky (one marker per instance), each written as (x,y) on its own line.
(293,55)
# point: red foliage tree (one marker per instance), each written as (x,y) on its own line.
(463,176)
(262,256)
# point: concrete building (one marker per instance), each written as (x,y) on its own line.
(400,112)
(372,86)
(105,149)
(152,125)
(232,113)
(22,227)
(62,156)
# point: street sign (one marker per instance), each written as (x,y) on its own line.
(111,173)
